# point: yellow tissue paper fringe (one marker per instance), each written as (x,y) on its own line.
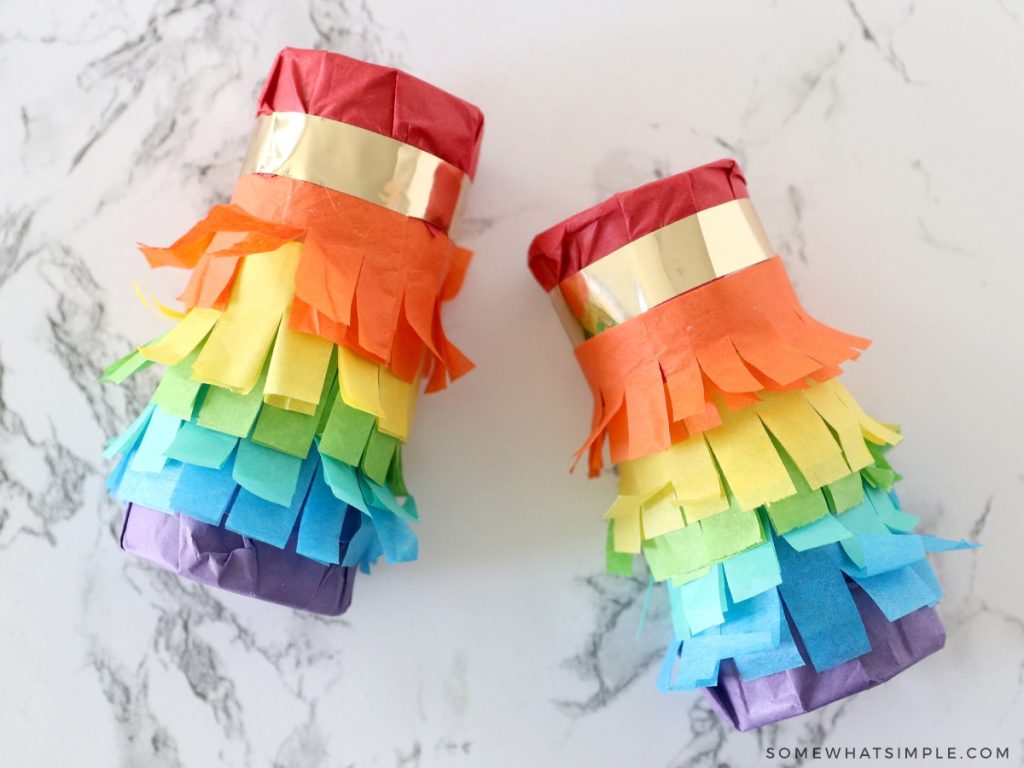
(155,304)
(235,345)
(822,429)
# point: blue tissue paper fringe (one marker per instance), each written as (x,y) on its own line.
(343,517)
(877,552)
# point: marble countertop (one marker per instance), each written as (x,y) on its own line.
(881,142)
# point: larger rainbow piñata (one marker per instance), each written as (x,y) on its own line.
(269,461)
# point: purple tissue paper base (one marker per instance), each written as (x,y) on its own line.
(895,646)
(219,558)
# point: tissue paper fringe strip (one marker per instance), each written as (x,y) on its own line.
(755,487)
(269,460)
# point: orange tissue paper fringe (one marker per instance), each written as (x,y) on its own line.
(655,377)
(368,278)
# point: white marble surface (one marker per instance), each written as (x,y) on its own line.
(882,144)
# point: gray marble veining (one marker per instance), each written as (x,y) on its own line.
(880,142)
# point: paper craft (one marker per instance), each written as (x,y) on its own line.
(750,702)
(269,460)
(220,558)
(756,489)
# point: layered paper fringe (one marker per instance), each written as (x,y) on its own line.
(244,372)
(895,647)
(364,277)
(654,378)
(805,520)
(343,516)
(764,454)
(738,609)
(354,436)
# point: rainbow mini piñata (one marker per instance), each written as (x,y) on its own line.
(269,460)
(756,488)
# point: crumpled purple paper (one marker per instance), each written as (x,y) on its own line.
(895,646)
(219,558)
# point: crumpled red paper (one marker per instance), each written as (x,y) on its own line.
(380,99)
(580,240)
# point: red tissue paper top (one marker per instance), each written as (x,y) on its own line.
(566,248)
(380,99)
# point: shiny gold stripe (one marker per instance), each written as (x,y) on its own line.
(360,163)
(657,267)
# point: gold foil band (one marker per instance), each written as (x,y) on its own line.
(360,163)
(660,266)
